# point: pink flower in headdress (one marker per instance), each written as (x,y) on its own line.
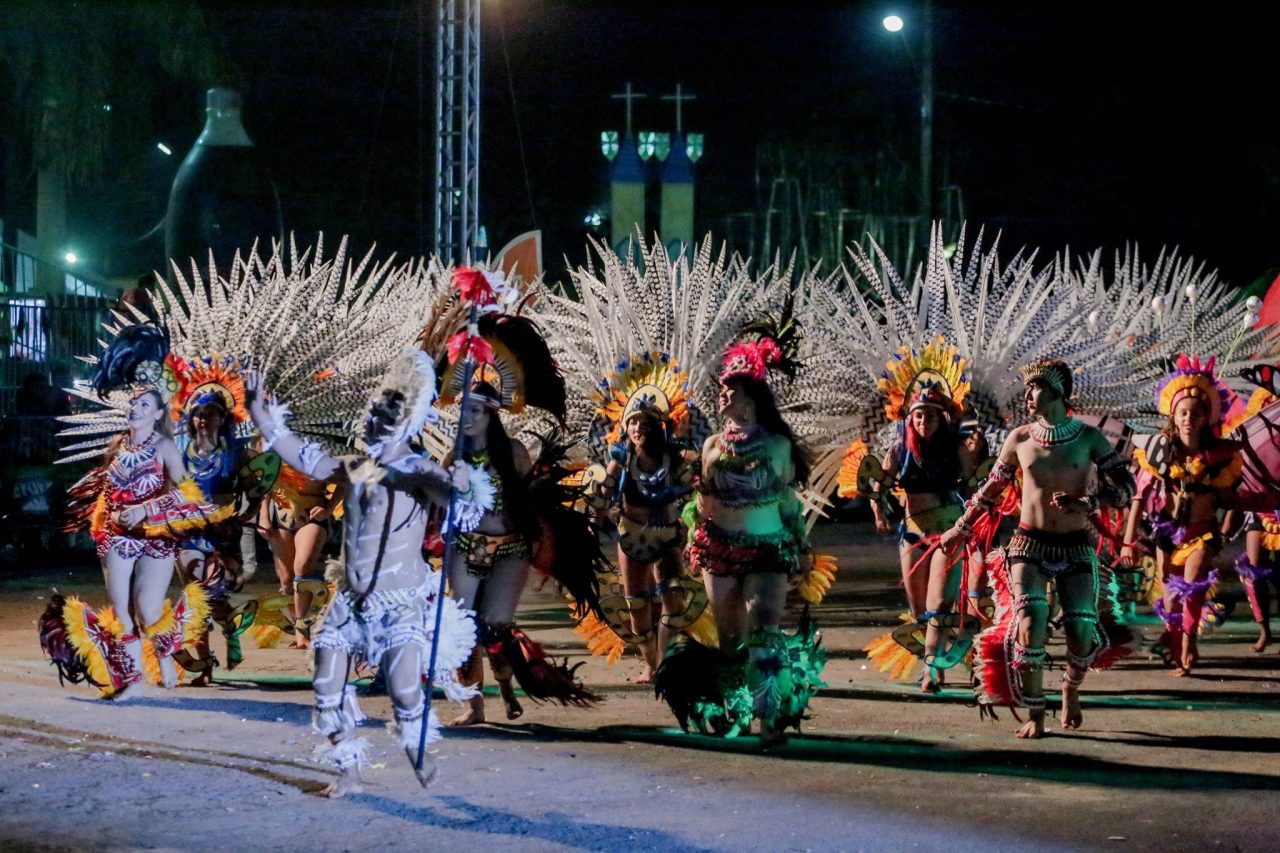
(474,286)
(750,358)
(461,344)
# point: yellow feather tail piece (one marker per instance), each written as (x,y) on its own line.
(195,612)
(889,657)
(704,630)
(815,586)
(266,636)
(76,614)
(847,479)
(600,638)
(1156,592)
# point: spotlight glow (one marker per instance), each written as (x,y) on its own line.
(71,257)
(893,23)
(165,149)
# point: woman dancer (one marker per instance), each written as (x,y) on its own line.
(748,540)
(208,407)
(293,520)
(928,461)
(139,511)
(646,479)
(1192,470)
(529,520)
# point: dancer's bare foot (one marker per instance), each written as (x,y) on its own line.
(474,714)
(514,709)
(168,673)
(929,686)
(348,782)
(1072,716)
(300,641)
(645,676)
(1264,639)
(1032,728)
(133,691)
(427,773)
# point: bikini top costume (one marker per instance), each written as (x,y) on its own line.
(743,475)
(657,489)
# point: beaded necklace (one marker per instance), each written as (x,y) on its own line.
(1058,434)
(131,455)
(735,441)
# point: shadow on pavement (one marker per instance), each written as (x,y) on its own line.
(555,827)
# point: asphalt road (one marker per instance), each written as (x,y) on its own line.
(1161,764)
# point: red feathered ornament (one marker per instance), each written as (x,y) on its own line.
(461,344)
(473,286)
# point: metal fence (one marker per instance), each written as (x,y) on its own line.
(41,337)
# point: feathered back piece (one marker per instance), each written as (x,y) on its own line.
(321,330)
(649,320)
(508,345)
(137,358)
(932,376)
(1195,380)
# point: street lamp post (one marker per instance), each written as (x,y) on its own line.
(894,24)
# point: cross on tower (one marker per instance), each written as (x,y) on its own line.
(628,96)
(679,97)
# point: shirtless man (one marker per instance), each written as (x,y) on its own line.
(382,609)
(1052,544)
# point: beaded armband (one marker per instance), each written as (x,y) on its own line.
(1002,472)
(974,508)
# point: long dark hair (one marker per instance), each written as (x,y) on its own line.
(1207,438)
(659,446)
(770,419)
(502,458)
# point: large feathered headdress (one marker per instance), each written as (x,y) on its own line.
(931,376)
(1193,379)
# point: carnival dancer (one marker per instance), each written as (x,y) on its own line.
(208,407)
(929,461)
(643,486)
(295,522)
(529,523)
(1192,472)
(1056,454)
(137,504)
(1257,568)
(384,612)
(748,539)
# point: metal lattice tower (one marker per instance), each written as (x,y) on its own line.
(457,176)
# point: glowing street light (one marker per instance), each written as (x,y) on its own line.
(71,257)
(892,23)
(164,149)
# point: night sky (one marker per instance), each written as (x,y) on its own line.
(1062,123)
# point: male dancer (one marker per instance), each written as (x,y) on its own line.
(1055,454)
(384,611)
